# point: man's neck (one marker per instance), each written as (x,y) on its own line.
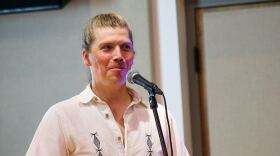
(116,96)
(110,93)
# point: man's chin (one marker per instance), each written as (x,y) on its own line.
(121,80)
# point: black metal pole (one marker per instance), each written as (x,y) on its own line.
(153,106)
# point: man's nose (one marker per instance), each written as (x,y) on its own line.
(118,55)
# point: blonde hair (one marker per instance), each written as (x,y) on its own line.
(100,21)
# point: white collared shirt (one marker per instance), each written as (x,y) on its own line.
(85,126)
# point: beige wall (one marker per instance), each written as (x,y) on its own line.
(40,62)
(242,60)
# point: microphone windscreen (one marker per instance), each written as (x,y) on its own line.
(130,76)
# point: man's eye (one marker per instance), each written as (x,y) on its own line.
(107,47)
(126,47)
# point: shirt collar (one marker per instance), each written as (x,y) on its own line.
(87,95)
(136,97)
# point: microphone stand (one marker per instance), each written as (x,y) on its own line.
(153,106)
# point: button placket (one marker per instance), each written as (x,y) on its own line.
(113,124)
(104,111)
(126,118)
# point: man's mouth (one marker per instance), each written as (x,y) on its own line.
(118,68)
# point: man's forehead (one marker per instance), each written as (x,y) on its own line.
(106,34)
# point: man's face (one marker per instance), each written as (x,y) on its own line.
(112,55)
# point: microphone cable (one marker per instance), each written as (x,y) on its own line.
(168,124)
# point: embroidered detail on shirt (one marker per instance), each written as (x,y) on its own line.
(150,145)
(97,143)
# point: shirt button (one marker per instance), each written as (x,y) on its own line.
(107,116)
(119,138)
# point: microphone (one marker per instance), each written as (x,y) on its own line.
(134,77)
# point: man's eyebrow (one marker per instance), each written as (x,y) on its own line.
(105,43)
(127,42)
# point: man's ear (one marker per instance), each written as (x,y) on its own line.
(86,58)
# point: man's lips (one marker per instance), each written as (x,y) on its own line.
(117,67)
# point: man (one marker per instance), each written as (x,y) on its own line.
(107,118)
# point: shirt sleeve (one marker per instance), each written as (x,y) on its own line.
(49,139)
